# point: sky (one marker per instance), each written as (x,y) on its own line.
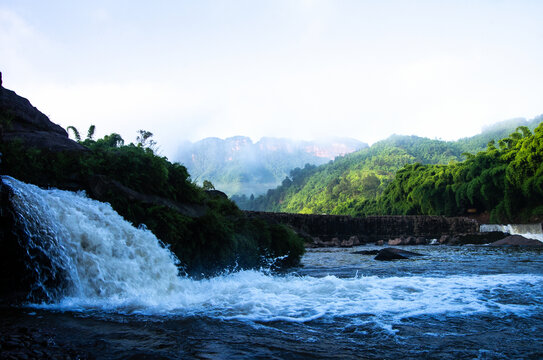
(300,69)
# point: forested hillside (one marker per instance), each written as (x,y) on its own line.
(505,180)
(352,184)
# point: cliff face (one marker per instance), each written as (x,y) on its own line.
(347,229)
(20,120)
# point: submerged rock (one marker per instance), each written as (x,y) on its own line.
(517,240)
(395,254)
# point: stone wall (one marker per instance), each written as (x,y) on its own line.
(370,228)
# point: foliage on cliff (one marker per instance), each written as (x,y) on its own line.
(356,183)
(222,237)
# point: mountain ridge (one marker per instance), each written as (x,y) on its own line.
(237,165)
(343,184)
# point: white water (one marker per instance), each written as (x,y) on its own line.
(529,231)
(115,267)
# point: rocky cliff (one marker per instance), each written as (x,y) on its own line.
(20,120)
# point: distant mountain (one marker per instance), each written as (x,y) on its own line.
(495,131)
(238,166)
(344,185)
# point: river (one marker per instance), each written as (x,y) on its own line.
(125,299)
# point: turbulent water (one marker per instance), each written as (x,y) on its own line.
(530,231)
(124,297)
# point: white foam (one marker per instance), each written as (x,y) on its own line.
(101,254)
(255,296)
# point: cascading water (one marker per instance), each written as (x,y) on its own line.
(97,253)
(109,265)
(529,231)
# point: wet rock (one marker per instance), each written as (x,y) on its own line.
(366,252)
(408,240)
(517,240)
(479,238)
(352,241)
(395,254)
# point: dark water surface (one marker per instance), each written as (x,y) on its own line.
(469,302)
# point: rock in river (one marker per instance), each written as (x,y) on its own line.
(395,254)
(517,240)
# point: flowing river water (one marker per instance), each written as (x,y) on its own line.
(123,297)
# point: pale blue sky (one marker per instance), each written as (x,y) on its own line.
(298,69)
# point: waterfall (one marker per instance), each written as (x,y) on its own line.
(530,231)
(93,249)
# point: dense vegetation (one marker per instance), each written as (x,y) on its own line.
(505,180)
(223,237)
(362,183)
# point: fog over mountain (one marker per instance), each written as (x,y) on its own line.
(238,166)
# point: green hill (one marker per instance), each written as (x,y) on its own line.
(350,184)
(504,181)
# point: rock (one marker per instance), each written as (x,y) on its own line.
(216,194)
(366,252)
(21,120)
(397,241)
(517,240)
(15,278)
(409,240)
(395,254)
(350,242)
(479,238)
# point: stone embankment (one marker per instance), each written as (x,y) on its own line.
(339,230)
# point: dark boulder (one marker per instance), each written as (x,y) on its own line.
(480,238)
(366,252)
(20,120)
(395,254)
(517,240)
(21,266)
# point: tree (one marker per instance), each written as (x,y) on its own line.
(144,139)
(90,132)
(76,133)
(207,185)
